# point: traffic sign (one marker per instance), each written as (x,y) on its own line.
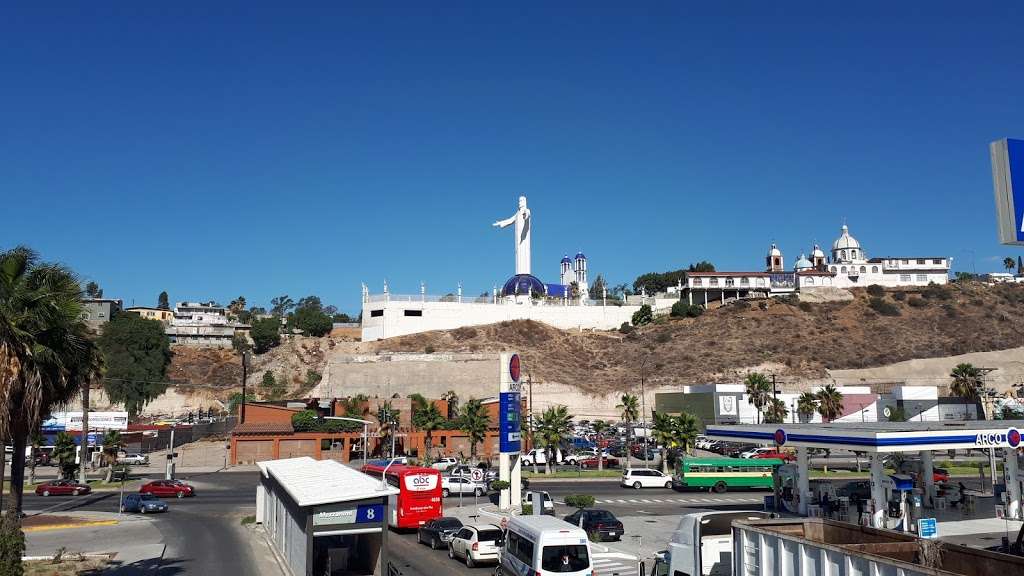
(477,475)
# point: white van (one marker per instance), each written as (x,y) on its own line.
(543,545)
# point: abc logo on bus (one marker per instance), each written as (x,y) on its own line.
(420,482)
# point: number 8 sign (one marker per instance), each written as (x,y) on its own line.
(369,514)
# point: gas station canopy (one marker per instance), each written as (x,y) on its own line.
(877,437)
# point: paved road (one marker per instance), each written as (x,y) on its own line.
(202,534)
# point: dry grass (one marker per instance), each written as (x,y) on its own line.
(67,567)
(802,341)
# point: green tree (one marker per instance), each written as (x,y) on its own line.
(265,334)
(137,353)
(64,453)
(1008,263)
(35,441)
(629,410)
(643,316)
(474,422)
(830,402)
(304,421)
(428,418)
(235,399)
(597,287)
(387,422)
(759,391)
(600,427)
(551,429)
(92,290)
(310,317)
(112,444)
(240,343)
(281,305)
(163,302)
(46,355)
(453,404)
(687,429)
(806,406)
(967,382)
(273,389)
(237,306)
(664,432)
(775,412)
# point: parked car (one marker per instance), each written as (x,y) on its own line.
(549,505)
(592,462)
(856,490)
(787,456)
(142,503)
(476,543)
(940,475)
(597,521)
(438,531)
(168,488)
(536,455)
(445,463)
(62,488)
(458,485)
(645,478)
(466,471)
(133,459)
(757,450)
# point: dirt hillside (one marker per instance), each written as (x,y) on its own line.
(798,340)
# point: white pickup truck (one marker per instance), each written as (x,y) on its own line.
(702,544)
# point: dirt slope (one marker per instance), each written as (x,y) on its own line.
(801,340)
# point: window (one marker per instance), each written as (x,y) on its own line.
(760,282)
(843,269)
(810,281)
(937,262)
(714,282)
(567,558)
(524,551)
(376,313)
(874,269)
(853,254)
(730,281)
(833,269)
(904,277)
(922,277)
(904,261)
(414,312)
(842,254)
(920,261)
(863,269)
(745,281)
(698,282)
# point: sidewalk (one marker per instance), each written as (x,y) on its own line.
(134,542)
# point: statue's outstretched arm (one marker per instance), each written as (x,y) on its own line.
(506,222)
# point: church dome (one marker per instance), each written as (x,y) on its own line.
(580,256)
(774,251)
(845,241)
(522,284)
(817,252)
(803,264)
(566,259)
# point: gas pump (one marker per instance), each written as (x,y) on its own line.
(899,492)
(787,478)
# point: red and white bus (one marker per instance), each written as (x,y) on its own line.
(419,497)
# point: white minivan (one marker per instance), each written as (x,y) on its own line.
(543,545)
(645,478)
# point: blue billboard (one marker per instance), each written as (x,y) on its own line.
(508,427)
(1008,180)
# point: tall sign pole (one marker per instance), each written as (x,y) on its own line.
(509,439)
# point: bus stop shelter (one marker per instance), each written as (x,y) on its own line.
(322,517)
(876,439)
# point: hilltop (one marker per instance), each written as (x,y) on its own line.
(796,340)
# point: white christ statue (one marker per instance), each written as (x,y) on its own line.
(522,221)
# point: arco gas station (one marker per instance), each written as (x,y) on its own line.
(892,496)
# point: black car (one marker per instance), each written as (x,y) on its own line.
(438,532)
(597,521)
(856,490)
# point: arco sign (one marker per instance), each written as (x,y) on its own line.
(1009,438)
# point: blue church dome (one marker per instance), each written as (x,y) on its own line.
(580,256)
(522,284)
(566,260)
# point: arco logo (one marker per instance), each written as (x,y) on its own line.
(780,437)
(1013,437)
(514,370)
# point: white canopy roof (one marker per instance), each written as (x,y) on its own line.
(313,482)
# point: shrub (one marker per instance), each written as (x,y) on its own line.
(527,509)
(626,328)
(935,292)
(763,304)
(429,350)
(917,302)
(876,291)
(500,485)
(884,308)
(250,519)
(12,545)
(579,500)
(643,316)
(662,337)
(950,310)
(806,306)
(305,421)
(679,309)
(900,296)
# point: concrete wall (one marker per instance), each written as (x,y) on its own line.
(383,375)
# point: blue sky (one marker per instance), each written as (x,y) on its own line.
(261,150)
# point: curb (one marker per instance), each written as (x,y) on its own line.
(88,524)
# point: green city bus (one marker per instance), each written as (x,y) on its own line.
(720,474)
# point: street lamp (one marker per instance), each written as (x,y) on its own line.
(245,376)
(643,409)
(365,423)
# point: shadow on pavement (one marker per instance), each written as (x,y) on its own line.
(149,566)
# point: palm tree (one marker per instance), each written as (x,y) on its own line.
(599,427)
(664,431)
(428,419)
(687,429)
(552,428)
(474,421)
(830,403)
(45,352)
(64,453)
(967,383)
(775,412)
(387,419)
(806,406)
(111,446)
(630,408)
(1008,263)
(759,391)
(453,404)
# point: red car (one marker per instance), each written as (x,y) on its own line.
(168,488)
(591,462)
(62,488)
(784,456)
(940,475)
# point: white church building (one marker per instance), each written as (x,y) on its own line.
(848,267)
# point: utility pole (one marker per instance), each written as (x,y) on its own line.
(245,376)
(643,411)
(169,473)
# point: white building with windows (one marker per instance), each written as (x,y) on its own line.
(848,267)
